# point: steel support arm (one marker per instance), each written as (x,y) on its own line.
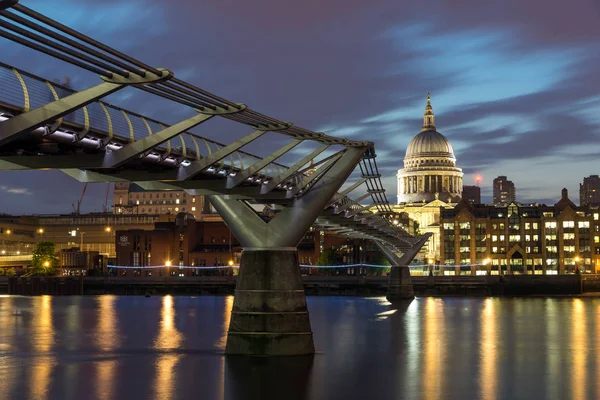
(240,177)
(348,190)
(316,176)
(286,228)
(139,147)
(292,170)
(204,163)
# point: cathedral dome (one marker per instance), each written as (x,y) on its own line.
(429,166)
(429,143)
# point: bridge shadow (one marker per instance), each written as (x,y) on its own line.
(267,377)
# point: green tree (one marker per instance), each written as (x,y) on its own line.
(327,257)
(10,272)
(43,260)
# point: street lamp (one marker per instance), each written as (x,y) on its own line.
(41,231)
(577,260)
(46,264)
(231,263)
(107,229)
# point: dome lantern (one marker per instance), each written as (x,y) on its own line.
(429,116)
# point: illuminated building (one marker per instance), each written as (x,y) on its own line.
(589,191)
(472,194)
(430,170)
(521,239)
(504,191)
(130,198)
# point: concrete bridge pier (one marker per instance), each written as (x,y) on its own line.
(400,286)
(269,315)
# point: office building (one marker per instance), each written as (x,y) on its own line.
(472,194)
(504,191)
(589,191)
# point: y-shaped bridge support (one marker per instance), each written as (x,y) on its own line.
(269,315)
(400,286)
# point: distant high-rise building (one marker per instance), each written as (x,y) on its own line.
(472,194)
(589,191)
(504,190)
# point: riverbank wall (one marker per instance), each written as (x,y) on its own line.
(487,285)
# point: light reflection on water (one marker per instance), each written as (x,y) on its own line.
(112,347)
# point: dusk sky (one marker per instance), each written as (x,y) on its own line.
(514,84)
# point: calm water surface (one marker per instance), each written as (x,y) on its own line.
(112,347)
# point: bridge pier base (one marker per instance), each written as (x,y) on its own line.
(400,286)
(269,316)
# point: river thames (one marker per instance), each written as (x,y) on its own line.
(112,347)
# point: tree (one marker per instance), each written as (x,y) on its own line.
(43,260)
(10,272)
(327,257)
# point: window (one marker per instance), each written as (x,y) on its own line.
(527,238)
(596,216)
(193,208)
(550,224)
(494,238)
(193,199)
(177,201)
(535,225)
(596,239)
(465,225)
(514,238)
(448,226)
(527,225)
(583,224)
(568,224)
(137,202)
(568,236)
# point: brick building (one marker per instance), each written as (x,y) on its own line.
(520,238)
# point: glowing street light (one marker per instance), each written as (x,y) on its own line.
(230,263)
(430,261)
(46,264)
(167,263)
(41,231)
(487,261)
(107,229)
(8,231)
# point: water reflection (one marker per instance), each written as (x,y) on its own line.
(169,338)
(488,350)
(553,380)
(578,349)
(269,378)
(42,341)
(220,344)
(8,375)
(435,348)
(107,339)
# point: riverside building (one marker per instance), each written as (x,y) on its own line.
(520,239)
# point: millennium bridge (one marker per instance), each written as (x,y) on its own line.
(48,126)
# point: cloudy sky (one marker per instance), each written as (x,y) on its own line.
(515,84)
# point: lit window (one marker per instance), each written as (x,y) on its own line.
(177,201)
(583,224)
(596,239)
(596,217)
(176,208)
(193,199)
(193,208)
(568,224)
(137,202)
(494,238)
